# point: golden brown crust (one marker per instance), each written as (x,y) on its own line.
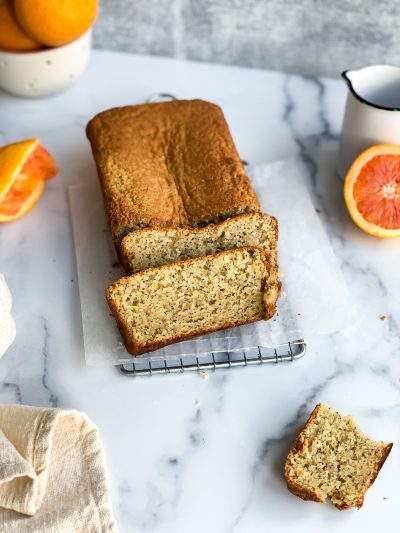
(303,492)
(185,230)
(170,163)
(306,493)
(299,447)
(136,349)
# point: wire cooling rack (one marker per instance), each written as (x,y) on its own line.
(283,353)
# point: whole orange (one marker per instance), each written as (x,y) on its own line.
(12,38)
(55,22)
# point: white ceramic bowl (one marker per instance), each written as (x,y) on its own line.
(45,72)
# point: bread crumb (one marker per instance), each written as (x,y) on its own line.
(203,374)
(383,317)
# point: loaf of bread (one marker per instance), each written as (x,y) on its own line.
(153,247)
(332,458)
(163,305)
(168,164)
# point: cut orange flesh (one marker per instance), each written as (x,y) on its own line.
(24,169)
(372,191)
(40,164)
(21,198)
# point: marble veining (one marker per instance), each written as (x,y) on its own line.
(191,453)
(53,399)
(287,435)
(16,391)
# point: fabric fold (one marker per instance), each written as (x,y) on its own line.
(52,472)
(17,479)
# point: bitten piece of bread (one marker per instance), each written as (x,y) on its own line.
(163,305)
(333,458)
(153,247)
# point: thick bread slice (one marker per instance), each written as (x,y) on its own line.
(163,305)
(333,458)
(168,164)
(153,247)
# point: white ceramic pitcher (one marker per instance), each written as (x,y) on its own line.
(372,114)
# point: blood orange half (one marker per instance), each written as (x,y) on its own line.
(372,190)
(24,169)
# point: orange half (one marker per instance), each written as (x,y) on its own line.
(24,169)
(372,190)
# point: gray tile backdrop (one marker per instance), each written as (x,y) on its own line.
(301,36)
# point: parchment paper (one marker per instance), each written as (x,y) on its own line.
(315,298)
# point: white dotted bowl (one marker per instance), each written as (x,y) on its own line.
(45,72)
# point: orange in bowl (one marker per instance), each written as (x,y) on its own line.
(55,22)
(24,169)
(12,38)
(372,190)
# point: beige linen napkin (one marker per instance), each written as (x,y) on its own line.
(52,472)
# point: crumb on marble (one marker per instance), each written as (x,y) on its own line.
(383,317)
(203,374)
(318,210)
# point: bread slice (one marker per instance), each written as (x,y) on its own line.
(332,458)
(163,305)
(168,164)
(153,247)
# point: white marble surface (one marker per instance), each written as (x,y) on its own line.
(187,454)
